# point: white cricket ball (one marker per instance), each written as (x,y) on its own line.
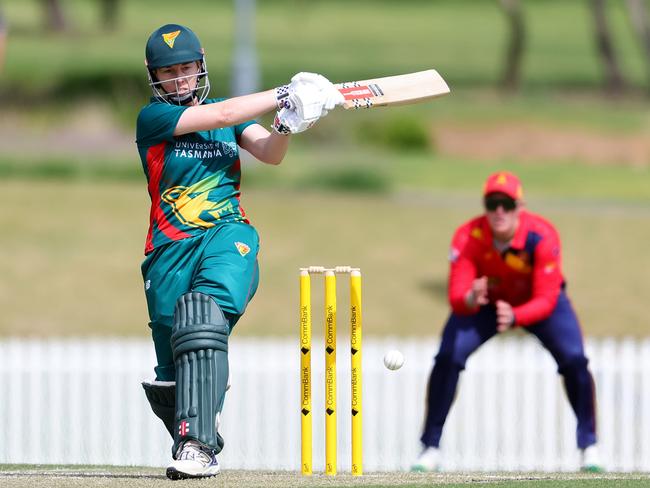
(393,360)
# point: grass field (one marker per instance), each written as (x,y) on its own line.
(381,189)
(72,267)
(114,477)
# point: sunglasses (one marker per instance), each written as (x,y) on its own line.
(508,204)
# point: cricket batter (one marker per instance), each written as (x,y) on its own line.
(506,272)
(200,269)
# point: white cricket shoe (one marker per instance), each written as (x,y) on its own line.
(428,460)
(193,461)
(590,460)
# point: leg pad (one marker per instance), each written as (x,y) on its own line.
(200,347)
(162,398)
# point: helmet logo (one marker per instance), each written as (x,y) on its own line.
(170,38)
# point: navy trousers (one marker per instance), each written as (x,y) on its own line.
(560,334)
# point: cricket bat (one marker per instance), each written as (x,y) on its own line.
(393,90)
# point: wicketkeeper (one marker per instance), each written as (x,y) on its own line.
(201,268)
(505,273)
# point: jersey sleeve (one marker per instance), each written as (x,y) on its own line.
(462,270)
(547,282)
(157,122)
(239,128)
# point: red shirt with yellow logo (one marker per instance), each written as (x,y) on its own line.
(527,275)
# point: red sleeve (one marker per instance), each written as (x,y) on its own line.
(547,282)
(462,270)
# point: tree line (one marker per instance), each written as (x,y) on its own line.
(614,81)
(514,49)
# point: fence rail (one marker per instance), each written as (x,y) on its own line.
(80,402)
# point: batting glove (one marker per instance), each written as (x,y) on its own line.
(279,127)
(311,95)
(291,120)
(331,96)
(282,97)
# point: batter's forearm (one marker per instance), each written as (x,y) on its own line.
(227,113)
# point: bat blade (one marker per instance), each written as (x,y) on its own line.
(393,90)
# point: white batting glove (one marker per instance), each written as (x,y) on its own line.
(282,96)
(290,120)
(306,100)
(279,127)
(311,95)
(331,97)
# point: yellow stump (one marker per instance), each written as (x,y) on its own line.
(355,372)
(305,372)
(330,373)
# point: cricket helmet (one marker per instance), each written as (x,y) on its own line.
(176,44)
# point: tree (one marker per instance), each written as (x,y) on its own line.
(54,17)
(638,14)
(511,76)
(3,40)
(614,82)
(109,11)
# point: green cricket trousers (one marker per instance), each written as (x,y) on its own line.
(220,263)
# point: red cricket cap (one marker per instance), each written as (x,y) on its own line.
(504,182)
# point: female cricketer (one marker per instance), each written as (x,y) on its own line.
(505,272)
(200,269)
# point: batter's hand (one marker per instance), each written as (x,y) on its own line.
(331,97)
(310,95)
(289,122)
(505,316)
(478,293)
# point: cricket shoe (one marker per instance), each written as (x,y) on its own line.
(193,460)
(427,461)
(590,460)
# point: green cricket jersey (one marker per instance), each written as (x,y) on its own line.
(193,179)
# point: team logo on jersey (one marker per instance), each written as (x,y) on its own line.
(192,206)
(242,248)
(170,38)
(549,268)
(229,148)
(519,262)
(477,233)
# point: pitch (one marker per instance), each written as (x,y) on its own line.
(12,476)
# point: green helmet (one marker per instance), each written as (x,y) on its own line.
(172,44)
(175,44)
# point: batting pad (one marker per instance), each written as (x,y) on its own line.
(200,346)
(162,398)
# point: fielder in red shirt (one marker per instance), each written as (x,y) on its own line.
(506,272)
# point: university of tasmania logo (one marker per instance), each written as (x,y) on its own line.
(242,248)
(170,38)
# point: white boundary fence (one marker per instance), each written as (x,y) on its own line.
(80,402)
